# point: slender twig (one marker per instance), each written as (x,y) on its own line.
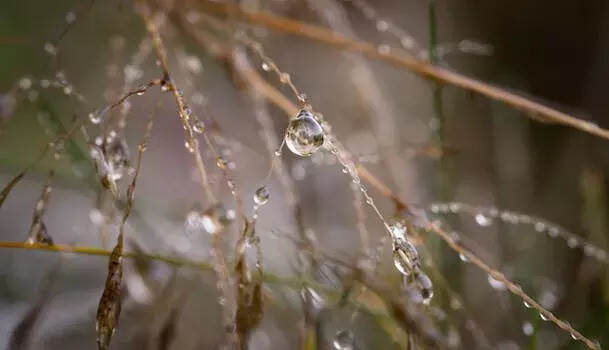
(401,59)
(161,54)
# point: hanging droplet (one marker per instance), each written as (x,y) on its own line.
(463,257)
(198,127)
(543,316)
(405,256)
(304,134)
(382,25)
(266,67)
(424,285)
(189,146)
(95,117)
(284,78)
(483,220)
(261,197)
(527,305)
(496,284)
(343,340)
(215,219)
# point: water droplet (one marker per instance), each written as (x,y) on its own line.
(483,220)
(284,78)
(189,146)
(187,112)
(266,67)
(215,219)
(343,340)
(95,117)
(424,285)
(540,226)
(398,230)
(382,25)
(96,217)
(407,42)
(261,197)
(25,83)
(496,284)
(165,86)
(573,336)
(304,134)
(70,17)
(572,242)
(50,49)
(527,328)
(526,304)
(405,256)
(553,231)
(384,49)
(198,127)
(543,316)
(463,257)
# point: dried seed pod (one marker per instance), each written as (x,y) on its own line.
(109,308)
(38,230)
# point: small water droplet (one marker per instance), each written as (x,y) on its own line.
(284,78)
(463,257)
(540,226)
(384,49)
(382,25)
(483,220)
(50,49)
(543,316)
(526,304)
(95,117)
(189,146)
(527,328)
(266,67)
(198,127)
(343,340)
(215,219)
(187,112)
(496,284)
(425,286)
(70,17)
(261,197)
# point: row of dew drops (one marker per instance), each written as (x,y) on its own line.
(485,217)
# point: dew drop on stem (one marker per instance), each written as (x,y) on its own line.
(304,135)
(343,340)
(261,197)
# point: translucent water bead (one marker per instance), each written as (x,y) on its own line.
(304,135)
(343,340)
(405,256)
(261,197)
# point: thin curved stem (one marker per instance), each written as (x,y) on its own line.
(401,59)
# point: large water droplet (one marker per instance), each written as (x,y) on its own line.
(405,256)
(343,340)
(261,197)
(304,134)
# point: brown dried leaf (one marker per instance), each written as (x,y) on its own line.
(109,308)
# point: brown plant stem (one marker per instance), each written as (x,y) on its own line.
(401,59)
